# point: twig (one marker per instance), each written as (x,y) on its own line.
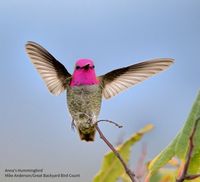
(190,177)
(128,171)
(184,174)
(109,121)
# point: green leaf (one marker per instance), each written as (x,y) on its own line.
(162,158)
(111,168)
(163,175)
(125,178)
(180,145)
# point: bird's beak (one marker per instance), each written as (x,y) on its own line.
(86,67)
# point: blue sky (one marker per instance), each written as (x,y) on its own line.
(35,126)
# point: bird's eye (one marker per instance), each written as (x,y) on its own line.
(78,67)
(93,67)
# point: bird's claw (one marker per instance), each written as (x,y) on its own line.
(73,124)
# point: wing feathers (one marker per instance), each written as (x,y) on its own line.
(52,71)
(123,78)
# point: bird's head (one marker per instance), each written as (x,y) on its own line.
(84,65)
(84,73)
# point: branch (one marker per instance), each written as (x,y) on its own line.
(109,121)
(128,171)
(190,177)
(184,175)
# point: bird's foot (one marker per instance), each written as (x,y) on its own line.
(73,125)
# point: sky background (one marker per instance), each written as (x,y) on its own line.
(35,127)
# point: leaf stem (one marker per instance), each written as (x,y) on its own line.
(184,174)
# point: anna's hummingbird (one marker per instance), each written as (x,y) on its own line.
(84,89)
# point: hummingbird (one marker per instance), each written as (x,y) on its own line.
(84,89)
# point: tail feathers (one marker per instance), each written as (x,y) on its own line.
(88,137)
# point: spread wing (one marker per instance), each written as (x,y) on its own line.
(52,71)
(123,78)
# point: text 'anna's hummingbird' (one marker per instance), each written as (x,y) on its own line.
(84,89)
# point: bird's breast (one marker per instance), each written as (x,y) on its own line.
(84,103)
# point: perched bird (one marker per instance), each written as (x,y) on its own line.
(84,89)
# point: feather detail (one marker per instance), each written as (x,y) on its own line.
(52,71)
(120,79)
